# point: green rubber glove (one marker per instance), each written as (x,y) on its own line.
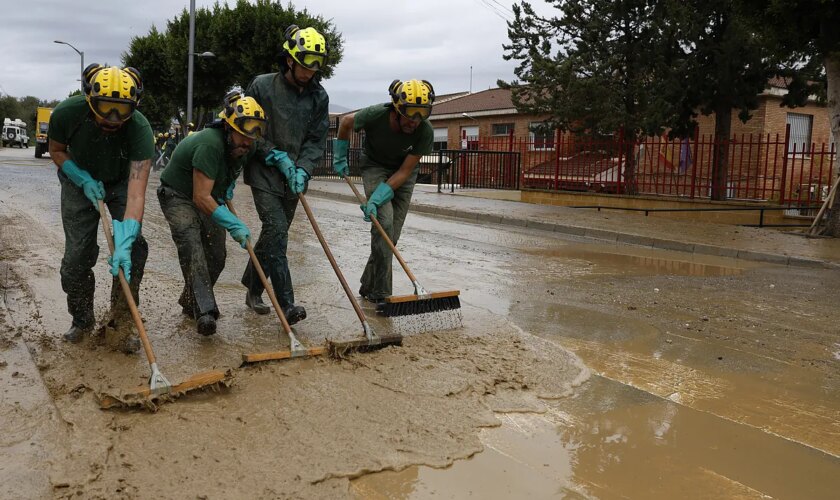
(228,194)
(340,148)
(298,183)
(382,195)
(94,190)
(237,229)
(125,232)
(281,160)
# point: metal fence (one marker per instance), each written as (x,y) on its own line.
(761,167)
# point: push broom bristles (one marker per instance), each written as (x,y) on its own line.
(419,306)
(418,313)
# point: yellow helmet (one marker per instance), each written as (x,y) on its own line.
(166,135)
(244,114)
(113,93)
(412,99)
(307,47)
(160,135)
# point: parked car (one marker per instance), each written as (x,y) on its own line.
(14,133)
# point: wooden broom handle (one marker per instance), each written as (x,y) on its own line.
(265,283)
(382,232)
(333,263)
(132,306)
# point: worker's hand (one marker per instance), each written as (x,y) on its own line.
(340,166)
(94,190)
(237,229)
(229,192)
(382,195)
(125,232)
(298,183)
(281,160)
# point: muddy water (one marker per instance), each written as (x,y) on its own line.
(711,375)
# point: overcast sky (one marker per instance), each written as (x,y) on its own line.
(436,40)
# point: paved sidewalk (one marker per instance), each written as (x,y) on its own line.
(756,244)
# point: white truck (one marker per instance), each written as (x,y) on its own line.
(14,133)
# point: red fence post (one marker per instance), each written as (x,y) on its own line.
(784,166)
(620,169)
(694,161)
(556,159)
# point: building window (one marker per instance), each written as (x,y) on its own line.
(469,137)
(541,137)
(800,132)
(502,128)
(441,139)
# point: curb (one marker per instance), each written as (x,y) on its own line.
(605,235)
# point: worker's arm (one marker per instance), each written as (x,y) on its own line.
(345,126)
(58,153)
(202,188)
(399,177)
(341,145)
(138,179)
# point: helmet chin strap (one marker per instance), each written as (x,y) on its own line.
(299,83)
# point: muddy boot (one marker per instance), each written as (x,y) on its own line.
(129,344)
(206,325)
(75,334)
(379,304)
(256,304)
(294,313)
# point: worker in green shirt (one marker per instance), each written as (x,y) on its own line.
(103,148)
(397,135)
(294,142)
(198,180)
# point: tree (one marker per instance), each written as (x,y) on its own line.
(806,32)
(723,64)
(245,39)
(593,68)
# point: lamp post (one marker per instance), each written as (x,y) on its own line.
(468,116)
(191,62)
(81,66)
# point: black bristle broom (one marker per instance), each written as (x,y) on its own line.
(421,302)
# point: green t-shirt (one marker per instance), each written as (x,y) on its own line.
(105,156)
(385,147)
(204,151)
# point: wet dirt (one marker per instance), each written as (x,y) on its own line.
(710,375)
(302,428)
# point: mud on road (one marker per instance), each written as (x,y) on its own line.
(589,370)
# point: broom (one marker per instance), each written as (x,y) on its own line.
(421,302)
(160,389)
(371,340)
(296,348)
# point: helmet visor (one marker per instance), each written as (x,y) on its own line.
(113,110)
(250,127)
(311,60)
(415,112)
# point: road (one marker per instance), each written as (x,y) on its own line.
(583,370)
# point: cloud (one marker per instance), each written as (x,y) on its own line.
(437,40)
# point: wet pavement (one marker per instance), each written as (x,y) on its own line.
(586,368)
(758,244)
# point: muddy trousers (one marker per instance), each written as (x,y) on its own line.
(81,225)
(201,251)
(276,214)
(378,276)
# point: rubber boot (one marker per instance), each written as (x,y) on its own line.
(294,313)
(256,304)
(206,325)
(75,334)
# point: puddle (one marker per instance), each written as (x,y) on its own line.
(524,458)
(613,441)
(636,261)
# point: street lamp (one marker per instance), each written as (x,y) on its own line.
(468,116)
(81,67)
(191,53)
